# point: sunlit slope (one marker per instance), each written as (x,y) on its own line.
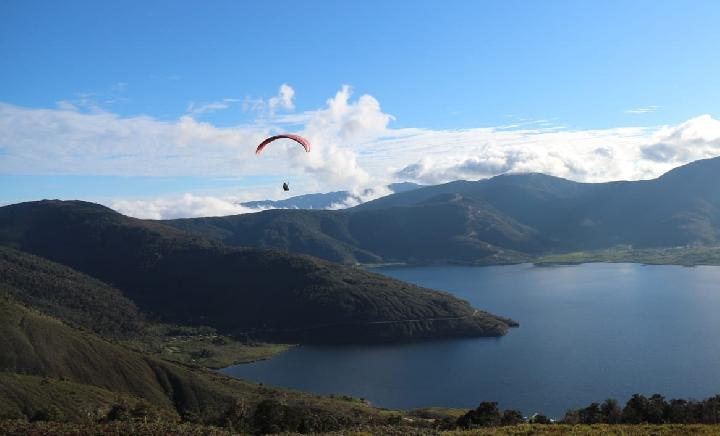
(83,369)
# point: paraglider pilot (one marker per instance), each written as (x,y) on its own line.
(297,138)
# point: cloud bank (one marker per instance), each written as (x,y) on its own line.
(354,148)
(185,206)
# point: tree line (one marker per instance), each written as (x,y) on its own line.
(639,409)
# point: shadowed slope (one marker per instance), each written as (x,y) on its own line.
(267,294)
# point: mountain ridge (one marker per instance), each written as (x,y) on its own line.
(505,219)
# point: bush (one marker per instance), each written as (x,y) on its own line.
(50,413)
(485,415)
(511,417)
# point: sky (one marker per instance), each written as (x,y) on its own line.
(154,108)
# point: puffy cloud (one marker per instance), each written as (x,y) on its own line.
(284,99)
(697,138)
(588,155)
(185,206)
(362,196)
(337,132)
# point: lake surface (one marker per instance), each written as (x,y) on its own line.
(587,333)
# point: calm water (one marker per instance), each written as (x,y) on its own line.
(586,333)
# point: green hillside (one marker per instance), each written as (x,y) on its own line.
(81,370)
(66,294)
(266,294)
(504,219)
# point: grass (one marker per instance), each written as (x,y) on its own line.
(36,344)
(19,427)
(438,412)
(201,346)
(24,395)
(590,430)
(688,256)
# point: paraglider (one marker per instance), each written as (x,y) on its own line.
(297,138)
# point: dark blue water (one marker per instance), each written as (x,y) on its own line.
(586,333)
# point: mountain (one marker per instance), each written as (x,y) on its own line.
(329,200)
(46,365)
(508,218)
(190,279)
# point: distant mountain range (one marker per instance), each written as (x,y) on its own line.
(508,218)
(329,200)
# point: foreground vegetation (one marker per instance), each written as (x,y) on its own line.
(144,428)
(687,256)
(591,430)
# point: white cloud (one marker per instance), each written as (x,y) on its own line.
(354,146)
(696,138)
(185,206)
(200,108)
(362,196)
(585,155)
(284,99)
(643,109)
(337,133)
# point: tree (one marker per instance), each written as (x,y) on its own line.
(591,414)
(611,412)
(572,417)
(680,412)
(710,413)
(657,409)
(269,416)
(485,415)
(636,410)
(511,417)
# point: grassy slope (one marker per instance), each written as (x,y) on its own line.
(66,294)
(23,396)
(34,344)
(452,229)
(190,279)
(200,347)
(87,303)
(651,256)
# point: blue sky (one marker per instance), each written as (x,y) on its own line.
(568,70)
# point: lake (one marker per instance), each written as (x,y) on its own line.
(587,333)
